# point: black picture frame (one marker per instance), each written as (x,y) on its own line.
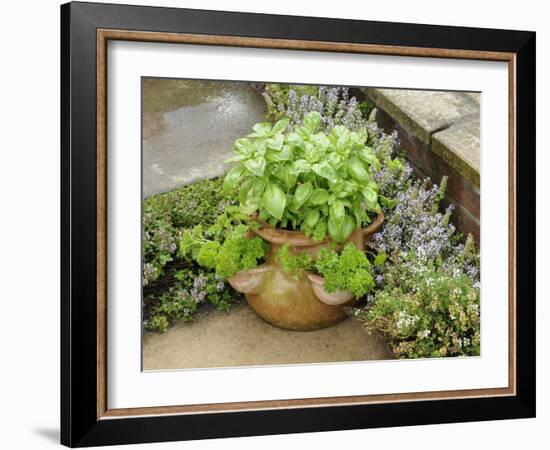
(80,425)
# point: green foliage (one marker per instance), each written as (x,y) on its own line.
(179,294)
(174,288)
(165,215)
(228,249)
(320,183)
(349,270)
(294,264)
(426,311)
(276,97)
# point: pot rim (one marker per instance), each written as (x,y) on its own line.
(299,239)
(256,270)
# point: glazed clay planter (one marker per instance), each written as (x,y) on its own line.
(329,298)
(295,303)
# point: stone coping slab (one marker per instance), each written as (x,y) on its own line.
(447,123)
(423,113)
(459,146)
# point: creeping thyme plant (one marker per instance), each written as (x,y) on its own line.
(174,288)
(427,301)
(426,310)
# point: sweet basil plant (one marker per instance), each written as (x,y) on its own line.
(310,180)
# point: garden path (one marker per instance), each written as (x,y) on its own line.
(241,338)
(189,129)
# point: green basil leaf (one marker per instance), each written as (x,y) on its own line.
(336,133)
(370,197)
(276,143)
(325,170)
(300,166)
(256,165)
(335,230)
(320,140)
(319,197)
(314,153)
(245,188)
(360,215)
(312,121)
(296,140)
(285,174)
(258,186)
(357,170)
(367,154)
(261,129)
(348,227)
(250,206)
(337,211)
(274,201)
(284,154)
(373,185)
(311,218)
(360,137)
(232,179)
(302,194)
(243,146)
(280,126)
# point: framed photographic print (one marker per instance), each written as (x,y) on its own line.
(276,224)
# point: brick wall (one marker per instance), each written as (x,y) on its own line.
(435,156)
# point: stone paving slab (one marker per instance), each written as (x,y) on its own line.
(459,146)
(189,128)
(241,338)
(422,113)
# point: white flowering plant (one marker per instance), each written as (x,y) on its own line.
(425,310)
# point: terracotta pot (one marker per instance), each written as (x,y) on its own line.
(295,303)
(329,298)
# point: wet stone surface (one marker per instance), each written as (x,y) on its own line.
(189,128)
(241,338)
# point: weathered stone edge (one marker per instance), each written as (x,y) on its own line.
(430,139)
(398,115)
(459,164)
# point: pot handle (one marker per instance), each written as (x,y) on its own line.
(250,281)
(333,298)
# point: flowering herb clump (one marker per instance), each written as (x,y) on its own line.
(276,97)
(334,105)
(425,310)
(191,288)
(174,288)
(165,215)
(427,301)
(416,226)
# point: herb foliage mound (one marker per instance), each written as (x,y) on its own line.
(318,182)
